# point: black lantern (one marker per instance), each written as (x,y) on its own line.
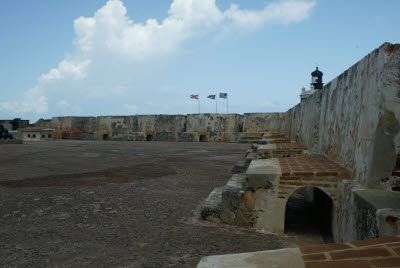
(316,79)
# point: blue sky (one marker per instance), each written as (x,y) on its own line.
(117,63)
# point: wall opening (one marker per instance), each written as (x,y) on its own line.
(203,138)
(149,137)
(106,137)
(309,212)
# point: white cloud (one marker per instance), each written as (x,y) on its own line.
(283,12)
(111,50)
(66,69)
(33,101)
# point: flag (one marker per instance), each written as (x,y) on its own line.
(211,97)
(194,97)
(223,95)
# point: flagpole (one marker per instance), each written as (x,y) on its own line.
(216,104)
(226,104)
(199,105)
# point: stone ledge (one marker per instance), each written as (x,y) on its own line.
(262,173)
(367,253)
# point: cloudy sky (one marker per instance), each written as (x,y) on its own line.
(124,57)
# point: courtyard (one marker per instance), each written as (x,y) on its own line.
(126,204)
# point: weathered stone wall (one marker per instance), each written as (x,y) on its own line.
(261,122)
(214,123)
(161,123)
(74,127)
(355,119)
(115,127)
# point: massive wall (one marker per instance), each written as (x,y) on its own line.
(214,127)
(355,119)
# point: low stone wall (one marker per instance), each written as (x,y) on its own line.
(263,122)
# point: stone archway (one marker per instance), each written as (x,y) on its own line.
(203,138)
(106,137)
(149,137)
(309,210)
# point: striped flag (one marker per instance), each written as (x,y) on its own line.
(223,95)
(211,97)
(194,97)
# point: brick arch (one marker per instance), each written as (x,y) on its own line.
(327,223)
(292,191)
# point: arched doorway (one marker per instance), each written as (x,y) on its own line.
(203,138)
(309,212)
(149,137)
(106,137)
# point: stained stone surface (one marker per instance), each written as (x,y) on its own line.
(116,204)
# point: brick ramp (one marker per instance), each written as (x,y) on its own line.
(377,252)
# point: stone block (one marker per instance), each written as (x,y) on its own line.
(240,167)
(263,173)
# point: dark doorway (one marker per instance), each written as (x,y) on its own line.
(203,138)
(106,137)
(149,137)
(309,212)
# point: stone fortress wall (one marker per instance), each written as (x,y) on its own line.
(354,120)
(213,127)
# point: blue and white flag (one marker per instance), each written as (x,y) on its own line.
(211,97)
(223,95)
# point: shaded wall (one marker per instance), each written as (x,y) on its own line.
(354,120)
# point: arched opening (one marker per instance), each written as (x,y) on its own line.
(203,138)
(149,137)
(106,137)
(309,212)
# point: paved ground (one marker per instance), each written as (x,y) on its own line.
(126,204)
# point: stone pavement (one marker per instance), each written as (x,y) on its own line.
(116,204)
(377,252)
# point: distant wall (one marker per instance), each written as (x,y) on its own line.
(261,122)
(214,123)
(214,127)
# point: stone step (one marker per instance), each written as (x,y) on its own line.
(261,141)
(274,135)
(278,150)
(251,138)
